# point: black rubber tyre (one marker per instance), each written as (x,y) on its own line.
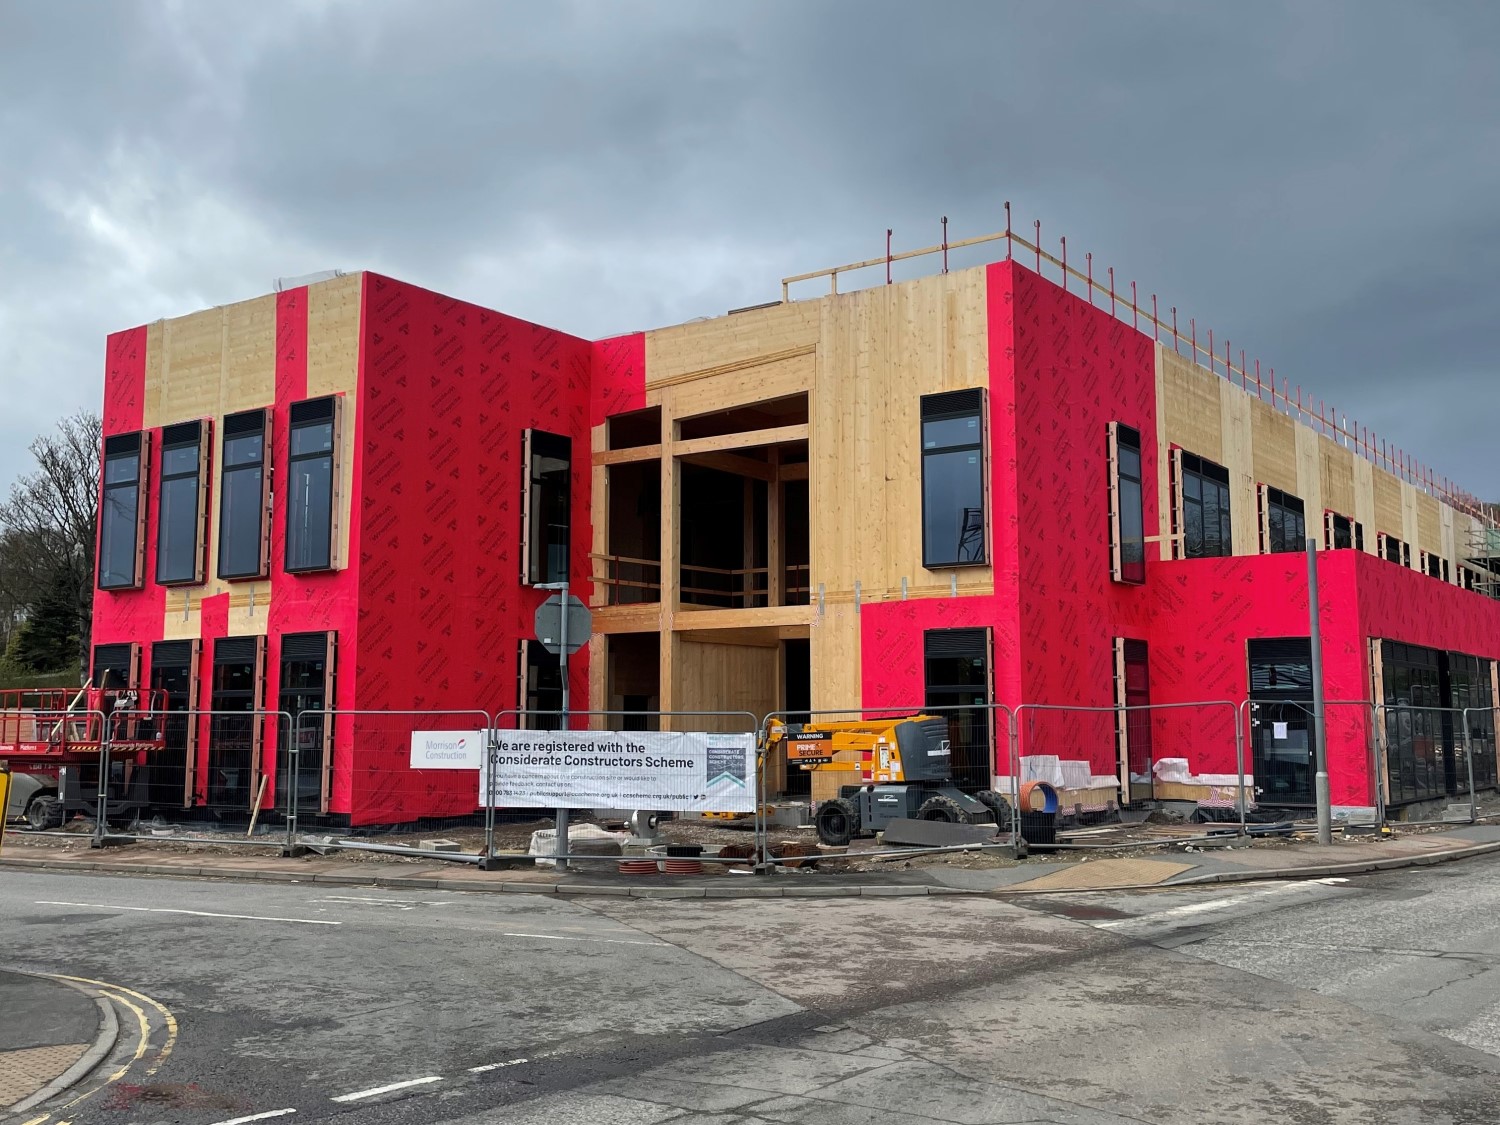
(945,809)
(44,813)
(999,807)
(837,822)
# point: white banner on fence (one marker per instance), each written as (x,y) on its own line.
(447,749)
(666,771)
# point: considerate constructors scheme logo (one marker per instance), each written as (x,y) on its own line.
(726,766)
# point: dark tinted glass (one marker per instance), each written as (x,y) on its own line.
(246,449)
(317,438)
(123,468)
(941,433)
(177,529)
(953,491)
(240,523)
(309,532)
(118,526)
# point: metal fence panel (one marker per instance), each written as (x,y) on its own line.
(358,785)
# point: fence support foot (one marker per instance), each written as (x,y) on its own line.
(109,841)
(294,851)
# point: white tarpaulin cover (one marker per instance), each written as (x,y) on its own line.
(667,771)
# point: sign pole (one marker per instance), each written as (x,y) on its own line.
(561,823)
(1320,737)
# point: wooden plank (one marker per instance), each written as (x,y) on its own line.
(1189,411)
(1336,472)
(604,456)
(1429,524)
(1310,480)
(249,353)
(746,467)
(1234,408)
(757,380)
(155,401)
(333,328)
(1273,446)
(775,556)
(641,618)
(1163,474)
(693,619)
(1364,500)
(1387,513)
(705,347)
(746,439)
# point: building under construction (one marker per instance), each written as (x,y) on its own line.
(1006,482)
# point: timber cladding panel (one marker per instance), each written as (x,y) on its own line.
(725,677)
(1337,471)
(879,351)
(1189,414)
(1429,525)
(1387,506)
(727,342)
(1273,439)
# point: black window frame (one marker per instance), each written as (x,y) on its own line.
(965,698)
(1341,527)
(115,518)
(1127,498)
(182,438)
(971,547)
(245,426)
(547,509)
(312,726)
(1199,475)
(305,416)
(1394,550)
(1281,513)
(540,683)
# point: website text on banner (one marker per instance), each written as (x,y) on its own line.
(663,771)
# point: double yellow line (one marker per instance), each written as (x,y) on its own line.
(138,1003)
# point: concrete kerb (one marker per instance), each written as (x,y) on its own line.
(104,1043)
(757,890)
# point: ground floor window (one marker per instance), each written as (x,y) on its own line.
(174,673)
(1281,724)
(1426,692)
(541,687)
(306,693)
(234,736)
(1133,730)
(957,675)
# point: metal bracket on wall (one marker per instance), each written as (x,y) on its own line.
(251,611)
(820,599)
(187,601)
(856,595)
(953,585)
(903,587)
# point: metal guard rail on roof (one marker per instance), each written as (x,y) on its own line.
(1359,439)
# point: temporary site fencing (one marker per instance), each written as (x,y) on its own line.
(271,778)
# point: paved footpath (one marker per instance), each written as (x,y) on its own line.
(1041,874)
(47,1029)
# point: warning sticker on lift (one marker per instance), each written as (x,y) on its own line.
(813,748)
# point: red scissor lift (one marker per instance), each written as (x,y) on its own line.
(54,742)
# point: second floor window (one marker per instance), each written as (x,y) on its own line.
(1204,500)
(1283,526)
(953,524)
(179,520)
(1394,550)
(122,511)
(1344,533)
(312,469)
(1127,525)
(242,496)
(548,507)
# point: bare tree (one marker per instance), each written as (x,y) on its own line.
(49,522)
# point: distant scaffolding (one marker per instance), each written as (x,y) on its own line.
(1481,566)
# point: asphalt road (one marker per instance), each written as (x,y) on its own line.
(1375,1000)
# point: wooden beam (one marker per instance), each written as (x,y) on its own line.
(746,439)
(644,617)
(731,463)
(797,471)
(775,563)
(625,456)
(692,619)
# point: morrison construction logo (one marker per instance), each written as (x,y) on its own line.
(447,749)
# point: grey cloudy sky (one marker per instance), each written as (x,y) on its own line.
(1317,181)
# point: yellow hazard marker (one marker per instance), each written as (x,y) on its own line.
(4,802)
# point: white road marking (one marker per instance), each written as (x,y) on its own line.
(1191,908)
(496,1066)
(256,1117)
(605,940)
(196,913)
(392,903)
(359,1094)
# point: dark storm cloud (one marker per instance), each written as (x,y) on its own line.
(1313,180)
